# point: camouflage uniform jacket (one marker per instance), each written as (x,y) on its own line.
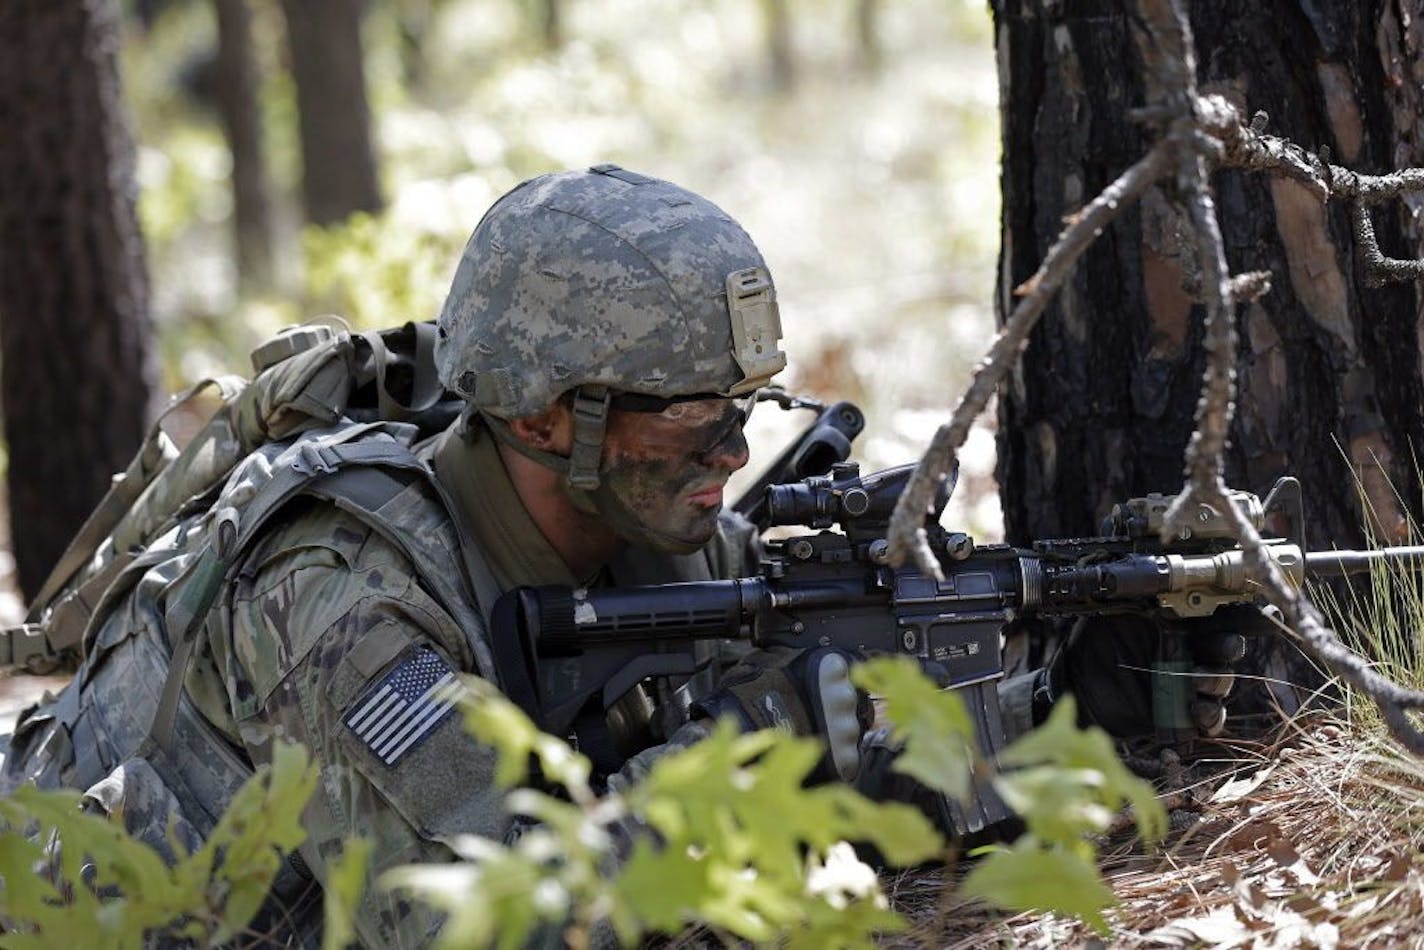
(321,615)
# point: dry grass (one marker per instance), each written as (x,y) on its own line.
(1310,841)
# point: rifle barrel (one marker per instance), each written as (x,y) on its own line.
(1347,563)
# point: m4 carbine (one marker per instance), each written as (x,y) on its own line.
(585,663)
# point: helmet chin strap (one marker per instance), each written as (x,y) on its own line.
(580,469)
(587,491)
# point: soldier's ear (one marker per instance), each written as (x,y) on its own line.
(549,431)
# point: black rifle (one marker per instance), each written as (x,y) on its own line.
(822,444)
(580,662)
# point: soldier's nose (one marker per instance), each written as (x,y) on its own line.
(731,453)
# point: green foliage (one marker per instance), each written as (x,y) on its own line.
(932,724)
(82,881)
(1065,783)
(503,725)
(1086,760)
(377,272)
(345,882)
(740,845)
(1030,877)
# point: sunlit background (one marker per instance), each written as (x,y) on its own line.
(864,163)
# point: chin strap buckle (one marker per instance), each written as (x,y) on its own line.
(590,422)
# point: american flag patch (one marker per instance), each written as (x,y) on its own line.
(396,714)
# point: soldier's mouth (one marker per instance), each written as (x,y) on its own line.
(710,497)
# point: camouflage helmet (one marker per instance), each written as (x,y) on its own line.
(611,281)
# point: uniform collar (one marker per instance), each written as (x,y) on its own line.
(491,513)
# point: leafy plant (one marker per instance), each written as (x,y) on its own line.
(1065,783)
(738,844)
(724,833)
(78,879)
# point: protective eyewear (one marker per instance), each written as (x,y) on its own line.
(694,424)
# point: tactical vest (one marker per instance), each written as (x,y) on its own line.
(329,415)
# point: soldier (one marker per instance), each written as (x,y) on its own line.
(607,331)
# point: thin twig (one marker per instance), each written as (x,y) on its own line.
(1379,270)
(907,533)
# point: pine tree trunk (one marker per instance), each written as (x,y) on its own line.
(870,52)
(74,324)
(551,24)
(328,64)
(1101,405)
(237,86)
(780,47)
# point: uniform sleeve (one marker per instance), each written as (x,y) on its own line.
(354,660)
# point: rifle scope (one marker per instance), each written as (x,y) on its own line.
(844,498)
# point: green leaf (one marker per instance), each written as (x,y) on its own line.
(854,926)
(498,901)
(21,889)
(900,832)
(1059,742)
(665,885)
(499,723)
(241,857)
(345,882)
(736,823)
(1027,878)
(933,724)
(1060,805)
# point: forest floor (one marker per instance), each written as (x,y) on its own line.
(1308,840)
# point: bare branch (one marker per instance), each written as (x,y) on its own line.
(907,534)
(1250,148)
(1379,270)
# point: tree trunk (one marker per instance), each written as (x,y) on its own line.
(780,47)
(870,52)
(328,65)
(551,24)
(237,86)
(1101,405)
(74,324)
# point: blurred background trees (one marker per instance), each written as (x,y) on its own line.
(74,299)
(328,67)
(237,88)
(300,157)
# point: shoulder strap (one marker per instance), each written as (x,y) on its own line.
(425,388)
(365,477)
(156,453)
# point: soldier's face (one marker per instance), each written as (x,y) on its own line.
(664,472)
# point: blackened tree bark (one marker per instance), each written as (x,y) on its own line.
(237,83)
(1101,405)
(328,65)
(74,324)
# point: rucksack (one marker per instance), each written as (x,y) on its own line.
(329,415)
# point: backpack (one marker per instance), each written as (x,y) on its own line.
(329,415)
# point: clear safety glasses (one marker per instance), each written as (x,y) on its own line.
(692,424)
